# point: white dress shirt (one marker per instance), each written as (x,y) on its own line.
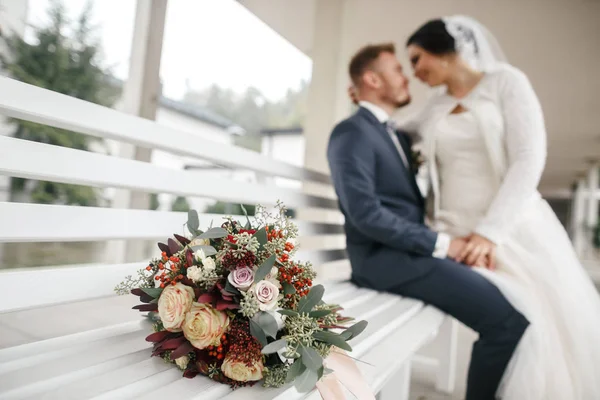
(442,243)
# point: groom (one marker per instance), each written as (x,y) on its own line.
(389,246)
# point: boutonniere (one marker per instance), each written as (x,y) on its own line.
(416,160)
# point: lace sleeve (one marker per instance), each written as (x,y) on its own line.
(525,143)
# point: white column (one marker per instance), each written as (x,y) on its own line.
(578,218)
(140,97)
(327,102)
(593,186)
(327,99)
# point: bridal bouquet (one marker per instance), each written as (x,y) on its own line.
(232,304)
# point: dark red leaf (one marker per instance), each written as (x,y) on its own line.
(188,282)
(202,367)
(157,352)
(174,343)
(145,298)
(189,257)
(137,292)
(165,248)
(183,349)
(174,247)
(225,305)
(157,336)
(190,373)
(207,298)
(184,241)
(147,307)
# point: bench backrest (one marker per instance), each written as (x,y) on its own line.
(321,242)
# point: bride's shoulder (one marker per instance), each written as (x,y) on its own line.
(505,74)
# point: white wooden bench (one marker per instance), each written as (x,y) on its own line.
(63,332)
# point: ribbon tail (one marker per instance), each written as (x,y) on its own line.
(330,388)
(345,373)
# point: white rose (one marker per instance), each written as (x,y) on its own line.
(199,242)
(182,362)
(194,273)
(209,264)
(267,295)
(174,302)
(199,254)
(204,326)
(242,371)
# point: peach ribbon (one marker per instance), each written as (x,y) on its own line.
(346,373)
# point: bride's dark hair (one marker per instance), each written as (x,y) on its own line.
(434,38)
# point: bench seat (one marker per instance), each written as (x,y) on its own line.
(112,360)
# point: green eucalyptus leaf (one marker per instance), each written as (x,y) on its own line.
(264,269)
(288,288)
(289,313)
(261,236)
(309,301)
(356,329)
(306,381)
(319,313)
(333,339)
(295,370)
(193,222)
(213,233)
(274,347)
(258,333)
(310,358)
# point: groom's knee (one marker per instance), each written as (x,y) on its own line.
(512,328)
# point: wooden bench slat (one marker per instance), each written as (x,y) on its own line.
(145,385)
(101,384)
(44,346)
(31,103)
(55,285)
(66,350)
(374,333)
(413,335)
(21,223)
(98,170)
(87,362)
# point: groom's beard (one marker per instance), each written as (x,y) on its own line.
(403,103)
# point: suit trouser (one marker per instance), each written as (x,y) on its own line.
(473,300)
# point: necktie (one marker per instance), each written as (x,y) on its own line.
(390,127)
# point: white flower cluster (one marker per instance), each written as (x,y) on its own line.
(205,274)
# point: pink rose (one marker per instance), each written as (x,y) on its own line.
(241,278)
(174,302)
(204,326)
(267,295)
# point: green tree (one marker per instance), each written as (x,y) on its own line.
(63,57)
(252,111)
(180,205)
(154,203)
(228,208)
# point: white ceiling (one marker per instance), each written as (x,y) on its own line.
(556,42)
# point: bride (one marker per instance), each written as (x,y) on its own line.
(485,141)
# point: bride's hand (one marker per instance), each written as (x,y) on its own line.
(477,249)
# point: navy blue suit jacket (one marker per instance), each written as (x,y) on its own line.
(387,241)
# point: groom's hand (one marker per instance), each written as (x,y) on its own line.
(479,248)
(457,245)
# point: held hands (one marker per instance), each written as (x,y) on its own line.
(474,250)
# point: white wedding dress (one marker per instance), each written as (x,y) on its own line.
(538,271)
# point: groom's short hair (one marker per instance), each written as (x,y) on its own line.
(364,58)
